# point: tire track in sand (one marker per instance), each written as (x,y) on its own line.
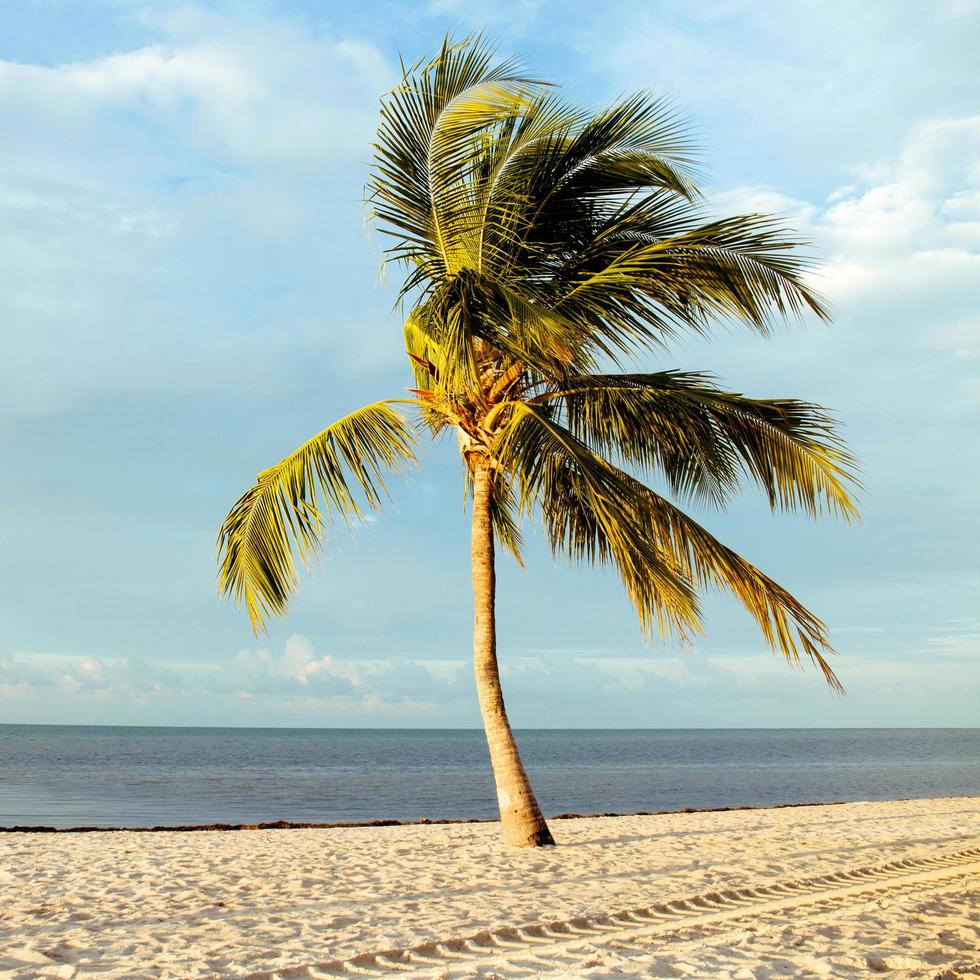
(570,938)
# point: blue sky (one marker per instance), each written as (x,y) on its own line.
(190,290)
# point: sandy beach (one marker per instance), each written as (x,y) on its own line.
(846,890)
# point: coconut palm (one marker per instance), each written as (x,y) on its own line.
(545,248)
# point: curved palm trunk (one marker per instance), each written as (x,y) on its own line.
(520,815)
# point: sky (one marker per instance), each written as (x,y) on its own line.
(190,289)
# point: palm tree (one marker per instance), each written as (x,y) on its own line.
(545,248)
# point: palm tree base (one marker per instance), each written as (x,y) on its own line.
(521,837)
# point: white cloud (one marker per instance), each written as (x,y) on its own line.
(87,678)
(185,196)
(900,266)
(229,92)
(899,229)
(902,225)
(300,686)
(802,87)
(296,671)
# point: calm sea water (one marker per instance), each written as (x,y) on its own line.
(73,776)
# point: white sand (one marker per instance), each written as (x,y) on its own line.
(891,888)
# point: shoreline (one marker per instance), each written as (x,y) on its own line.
(434,821)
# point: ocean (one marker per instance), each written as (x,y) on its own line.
(68,776)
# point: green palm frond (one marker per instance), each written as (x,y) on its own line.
(637,293)
(530,333)
(488,182)
(569,166)
(447,317)
(703,439)
(636,144)
(591,509)
(591,516)
(506,517)
(786,624)
(429,146)
(428,363)
(336,473)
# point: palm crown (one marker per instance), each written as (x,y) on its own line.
(545,248)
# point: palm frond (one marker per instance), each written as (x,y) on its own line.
(636,292)
(428,145)
(574,169)
(593,509)
(703,439)
(336,473)
(505,517)
(787,625)
(590,516)
(531,333)
(428,364)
